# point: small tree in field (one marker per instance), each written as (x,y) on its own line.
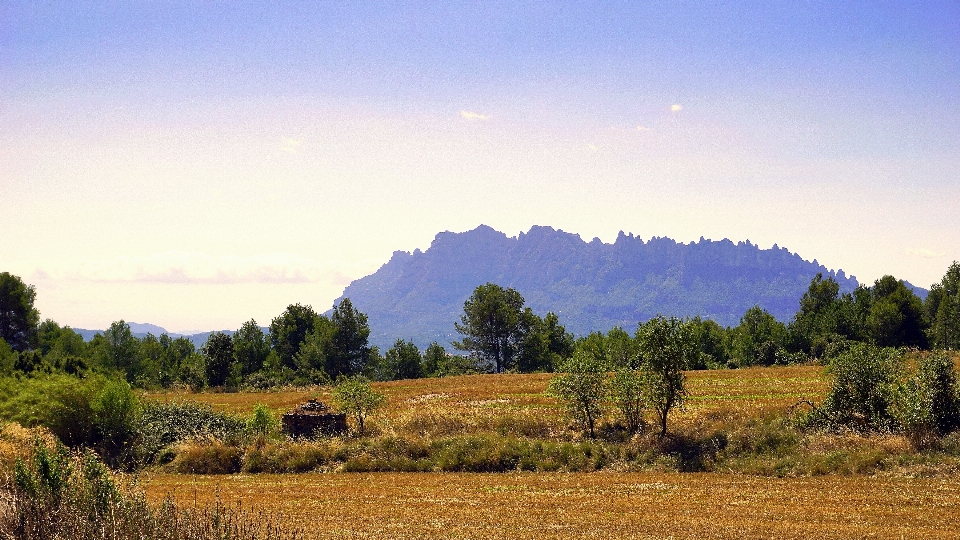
(626,393)
(666,349)
(355,396)
(582,386)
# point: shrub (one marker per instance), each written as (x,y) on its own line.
(860,394)
(926,405)
(582,388)
(207,457)
(262,422)
(355,396)
(163,424)
(59,494)
(626,393)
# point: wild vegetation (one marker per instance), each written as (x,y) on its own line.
(854,390)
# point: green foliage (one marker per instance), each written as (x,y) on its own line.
(354,396)
(758,339)
(193,372)
(860,393)
(819,314)
(582,387)
(434,359)
(56,494)
(626,394)
(250,348)
(896,317)
(666,349)
(94,411)
(350,351)
(262,422)
(942,308)
(19,319)
(711,342)
(288,330)
(926,405)
(491,325)
(218,352)
(164,423)
(402,361)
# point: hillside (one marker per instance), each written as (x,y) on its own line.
(590,285)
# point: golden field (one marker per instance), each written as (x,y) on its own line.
(924,502)
(584,505)
(480,402)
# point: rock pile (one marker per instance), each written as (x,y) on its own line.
(312,418)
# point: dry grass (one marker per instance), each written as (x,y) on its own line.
(517,405)
(591,505)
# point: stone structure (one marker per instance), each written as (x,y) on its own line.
(312,418)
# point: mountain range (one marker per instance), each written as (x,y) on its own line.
(591,286)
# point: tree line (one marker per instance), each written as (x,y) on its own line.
(499,333)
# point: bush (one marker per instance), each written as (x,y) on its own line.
(926,405)
(164,424)
(208,457)
(59,494)
(93,412)
(861,392)
(262,422)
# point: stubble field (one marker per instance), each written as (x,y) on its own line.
(573,505)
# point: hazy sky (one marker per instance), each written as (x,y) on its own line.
(195,164)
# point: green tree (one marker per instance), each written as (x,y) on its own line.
(402,361)
(434,360)
(926,405)
(896,315)
(666,349)
(317,348)
(491,325)
(942,308)
(758,339)
(219,356)
(116,349)
(582,387)
(355,397)
(819,315)
(626,393)
(859,395)
(711,341)
(250,347)
(61,347)
(18,318)
(351,351)
(289,329)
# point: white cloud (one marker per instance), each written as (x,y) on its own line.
(926,253)
(291,145)
(472,116)
(676,107)
(183,267)
(643,128)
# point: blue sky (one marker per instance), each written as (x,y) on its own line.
(196,164)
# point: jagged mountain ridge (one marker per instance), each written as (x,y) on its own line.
(590,285)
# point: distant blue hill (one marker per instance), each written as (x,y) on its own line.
(590,285)
(140,330)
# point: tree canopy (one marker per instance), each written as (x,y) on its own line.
(19,319)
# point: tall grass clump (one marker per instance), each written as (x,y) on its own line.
(58,494)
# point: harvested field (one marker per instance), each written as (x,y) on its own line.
(478,402)
(593,505)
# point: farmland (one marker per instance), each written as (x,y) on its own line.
(585,505)
(902,496)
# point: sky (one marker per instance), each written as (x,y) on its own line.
(196,164)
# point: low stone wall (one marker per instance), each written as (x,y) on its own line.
(313,418)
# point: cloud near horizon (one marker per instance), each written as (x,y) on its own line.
(926,253)
(178,267)
(472,116)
